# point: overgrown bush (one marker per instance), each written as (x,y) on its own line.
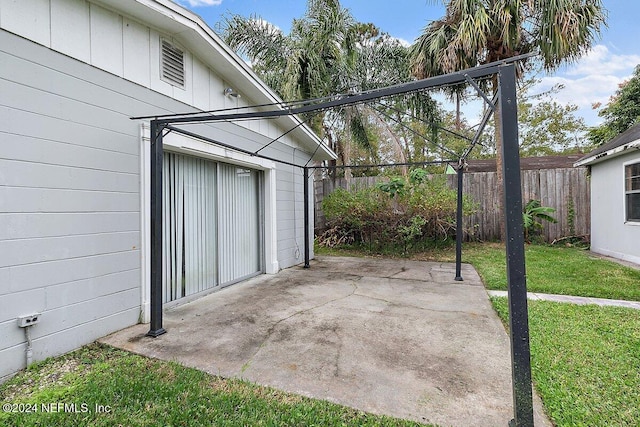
(401,212)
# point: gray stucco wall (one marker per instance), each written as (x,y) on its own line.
(70,198)
(610,235)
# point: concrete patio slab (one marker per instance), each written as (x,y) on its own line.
(392,337)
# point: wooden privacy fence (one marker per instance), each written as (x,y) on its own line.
(566,190)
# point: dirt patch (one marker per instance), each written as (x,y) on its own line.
(54,374)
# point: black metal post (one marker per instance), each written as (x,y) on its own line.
(458,277)
(305,173)
(516,278)
(156,231)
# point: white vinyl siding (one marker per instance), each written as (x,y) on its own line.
(69,201)
(611,233)
(96,33)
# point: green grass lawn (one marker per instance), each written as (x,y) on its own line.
(557,270)
(585,362)
(137,391)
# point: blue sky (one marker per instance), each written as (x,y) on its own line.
(593,79)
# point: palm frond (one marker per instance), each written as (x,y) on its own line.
(566,29)
(256,38)
(360,132)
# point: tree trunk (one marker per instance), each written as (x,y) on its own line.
(332,163)
(346,159)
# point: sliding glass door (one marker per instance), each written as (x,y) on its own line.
(211,225)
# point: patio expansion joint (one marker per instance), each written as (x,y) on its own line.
(428,277)
(273,327)
(338,356)
(417,307)
(395,273)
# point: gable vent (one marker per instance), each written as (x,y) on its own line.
(172,64)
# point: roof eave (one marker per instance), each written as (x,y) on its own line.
(180,21)
(614,152)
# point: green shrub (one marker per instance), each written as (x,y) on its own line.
(418,176)
(394,187)
(398,213)
(533,214)
(411,232)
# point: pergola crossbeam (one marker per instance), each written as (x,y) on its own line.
(430,83)
(385,165)
(222,144)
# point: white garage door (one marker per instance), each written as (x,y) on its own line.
(212,225)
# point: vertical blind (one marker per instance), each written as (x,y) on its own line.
(238,222)
(211,225)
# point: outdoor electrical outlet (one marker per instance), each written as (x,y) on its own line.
(31,319)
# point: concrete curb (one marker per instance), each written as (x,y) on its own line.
(573,299)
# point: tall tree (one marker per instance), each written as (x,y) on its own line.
(548,127)
(326,53)
(307,62)
(475,32)
(622,111)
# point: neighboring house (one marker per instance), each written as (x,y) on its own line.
(74,169)
(615,196)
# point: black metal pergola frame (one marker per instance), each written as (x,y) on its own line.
(505,101)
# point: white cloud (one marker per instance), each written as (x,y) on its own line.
(201,3)
(402,41)
(600,60)
(583,91)
(264,23)
(594,79)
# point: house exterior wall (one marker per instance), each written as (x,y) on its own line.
(72,175)
(610,235)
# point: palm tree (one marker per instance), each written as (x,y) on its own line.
(475,32)
(328,53)
(305,63)
(310,62)
(381,61)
